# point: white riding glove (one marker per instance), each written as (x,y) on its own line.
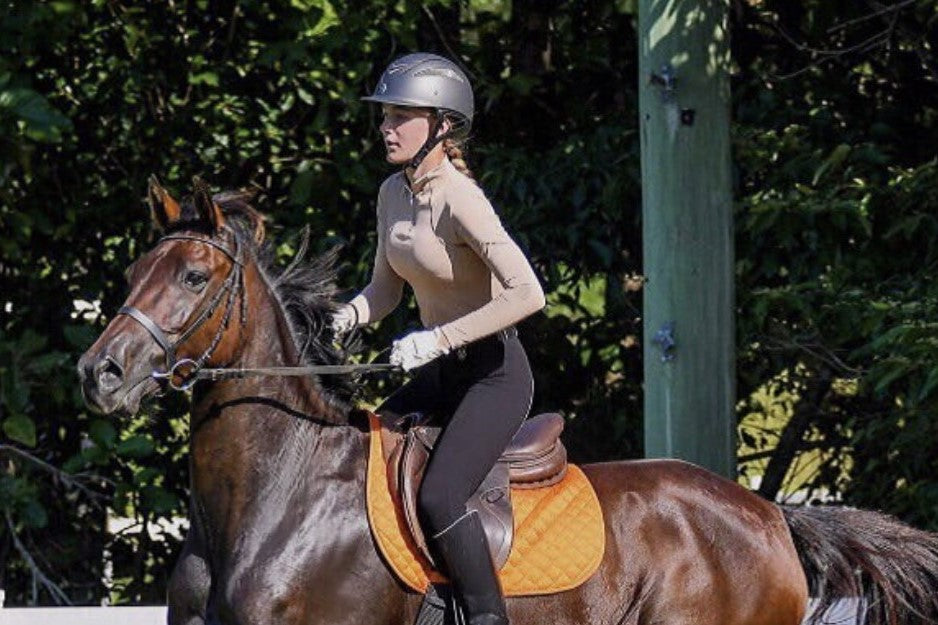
(344,320)
(417,349)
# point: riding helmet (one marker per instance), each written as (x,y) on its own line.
(427,80)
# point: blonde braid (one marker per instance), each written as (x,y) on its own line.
(454,152)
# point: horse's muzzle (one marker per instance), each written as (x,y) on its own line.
(102,376)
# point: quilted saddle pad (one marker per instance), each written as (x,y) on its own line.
(559,532)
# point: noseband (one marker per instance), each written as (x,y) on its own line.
(232,287)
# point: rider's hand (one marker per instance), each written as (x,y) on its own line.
(344,320)
(417,349)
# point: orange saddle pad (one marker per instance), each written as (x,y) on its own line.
(559,532)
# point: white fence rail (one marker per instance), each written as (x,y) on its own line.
(83,616)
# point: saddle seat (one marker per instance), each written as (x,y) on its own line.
(535,458)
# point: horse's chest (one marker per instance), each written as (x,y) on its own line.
(313,564)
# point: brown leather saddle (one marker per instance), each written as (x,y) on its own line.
(535,458)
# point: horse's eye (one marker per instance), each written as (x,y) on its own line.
(195,280)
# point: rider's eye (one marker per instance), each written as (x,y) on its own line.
(195,280)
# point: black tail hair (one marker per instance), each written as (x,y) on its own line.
(851,553)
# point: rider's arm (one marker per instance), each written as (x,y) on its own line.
(384,292)
(477,225)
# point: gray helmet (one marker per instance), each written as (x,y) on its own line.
(427,80)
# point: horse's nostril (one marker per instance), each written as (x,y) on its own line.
(109,373)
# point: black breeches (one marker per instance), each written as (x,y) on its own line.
(482,393)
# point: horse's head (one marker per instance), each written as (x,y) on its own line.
(187,300)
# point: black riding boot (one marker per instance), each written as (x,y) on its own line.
(468,564)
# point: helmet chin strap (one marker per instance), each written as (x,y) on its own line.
(430,143)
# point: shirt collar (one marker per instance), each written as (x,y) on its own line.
(437,172)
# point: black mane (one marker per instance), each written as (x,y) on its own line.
(306,287)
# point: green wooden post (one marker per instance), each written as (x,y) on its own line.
(687,232)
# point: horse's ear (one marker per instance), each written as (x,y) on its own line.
(205,206)
(163,208)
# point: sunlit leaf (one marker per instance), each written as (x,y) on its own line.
(21,429)
(137,446)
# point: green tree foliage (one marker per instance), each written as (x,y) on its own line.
(836,229)
(834,140)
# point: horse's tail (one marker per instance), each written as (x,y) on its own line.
(891,567)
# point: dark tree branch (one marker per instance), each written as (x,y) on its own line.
(40,579)
(881,10)
(77,481)
(792,439)
(888,13)
(815,349)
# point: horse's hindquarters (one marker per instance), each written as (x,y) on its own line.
(683,546)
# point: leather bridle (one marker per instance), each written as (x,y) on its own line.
(191,370)
(233,286)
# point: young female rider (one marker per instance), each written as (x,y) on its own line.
(439,233)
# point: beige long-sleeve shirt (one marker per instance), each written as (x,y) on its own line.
(445,240)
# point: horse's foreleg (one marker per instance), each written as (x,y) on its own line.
(190,584)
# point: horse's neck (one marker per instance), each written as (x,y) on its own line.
(267,439)
(267,341)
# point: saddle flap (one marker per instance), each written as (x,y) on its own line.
(492,501)
(407,463)
(415,455)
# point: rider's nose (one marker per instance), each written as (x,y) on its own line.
(107,373)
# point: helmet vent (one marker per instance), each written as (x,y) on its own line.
(439,71)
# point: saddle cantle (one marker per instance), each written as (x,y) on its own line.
(535,458)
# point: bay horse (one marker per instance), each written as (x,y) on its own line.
(278,528)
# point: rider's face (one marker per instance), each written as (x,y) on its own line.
(404,130)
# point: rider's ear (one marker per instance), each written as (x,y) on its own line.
(163,208)
(445,126)
(205,206)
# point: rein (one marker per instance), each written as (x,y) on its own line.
(194,368)
(214,375)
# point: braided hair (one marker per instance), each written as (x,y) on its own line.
(454,149)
